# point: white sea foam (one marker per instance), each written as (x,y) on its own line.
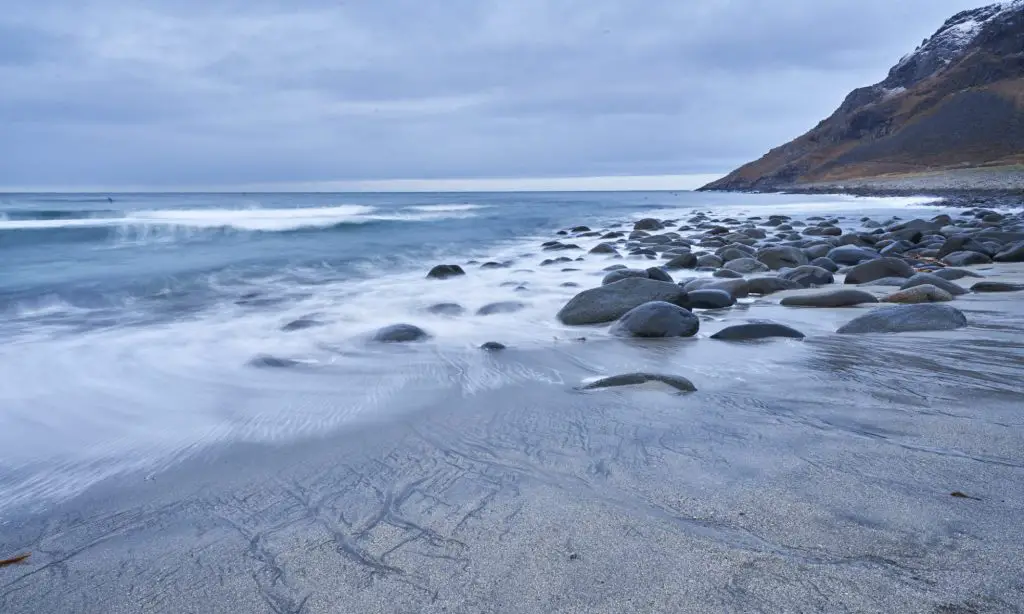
(263,220)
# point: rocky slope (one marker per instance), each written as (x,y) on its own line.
(956,102)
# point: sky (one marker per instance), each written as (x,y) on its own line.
(422,94)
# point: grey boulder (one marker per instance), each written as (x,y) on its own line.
(877,269)
(1011,253)
(444,271)
(921,279)
(996,286)
(656,319)
(620,274)
(769,285)
(500,307)
(808,276)
(906,318)
(637,379)
(612,301)
(924,293)
(709,299)
(843,297)
(746,265)
(781,256)
(851,254)
(400,333)
(756,330)
(966,259)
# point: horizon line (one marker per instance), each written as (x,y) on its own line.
(613,183)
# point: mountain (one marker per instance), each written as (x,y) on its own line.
(956,102)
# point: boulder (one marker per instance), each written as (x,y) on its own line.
(962,243)
(996,286)
(727,274)
(636,379)
(923,293)
(656,319)
(746,265)
(658,274)
(966,259)
(710,260)
(500,307)
(769,285)
(808,276)
(781,256)
(709,299)
(819,250)
(612,301)
(737,288)
(493,346)
(906,318)
(648,223)
(1011,253)
(301,324)
(604,248)
(843,297)
(400,333)
(877,269)
(886,281)
(825,263)
(683,261)
(267,361)
(756,330)
(447,309)
(445,271)
(731,252)
(851,254)
(620,274)
(920,279)
(954,274)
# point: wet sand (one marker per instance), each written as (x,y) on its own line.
(803,476)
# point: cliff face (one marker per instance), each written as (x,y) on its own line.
(957,101)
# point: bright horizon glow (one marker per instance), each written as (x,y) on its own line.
(633,183)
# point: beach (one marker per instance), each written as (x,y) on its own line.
(863,472)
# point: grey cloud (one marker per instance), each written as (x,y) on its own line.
(188,92)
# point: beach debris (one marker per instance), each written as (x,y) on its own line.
(14,560)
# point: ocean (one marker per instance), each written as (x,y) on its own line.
(131,322)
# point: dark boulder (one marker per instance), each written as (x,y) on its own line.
(658,274)
(769,285)
(493,346)
(825,263)
(877,269)
(954,274)
(996,286)
(756,330)
(444,271)
(604,248)
(907,318)
(636,379)
(843,297)
(808,276)
(683,261)
(709,299)
(727,274)
(966,259)
(266,361)
(620,274)
(746,265)
(447,309)
(612,301)
(648,224)
(851,254)
(301,324)
(656,319)
(920,279)
(923,293)
(781,256)
(500,307)
(400,333)
(1011,253)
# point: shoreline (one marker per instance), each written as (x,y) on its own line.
(808,474)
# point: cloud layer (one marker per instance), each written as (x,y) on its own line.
(176,93)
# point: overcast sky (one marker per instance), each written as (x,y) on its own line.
(171,94)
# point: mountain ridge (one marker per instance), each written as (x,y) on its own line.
(955,102)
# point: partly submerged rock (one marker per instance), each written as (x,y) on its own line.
(844,297)
(921,279)
(924,293)
(301,324)
(612,301)
(447,309)
(709,298)
(266,361)
(636,379)
(770,285)
(445,271)
(400,333)
(907,318)
(756,330)
(656,319)
(493,346)
(877,269)
(500,307)
(808,276)
(996,286)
